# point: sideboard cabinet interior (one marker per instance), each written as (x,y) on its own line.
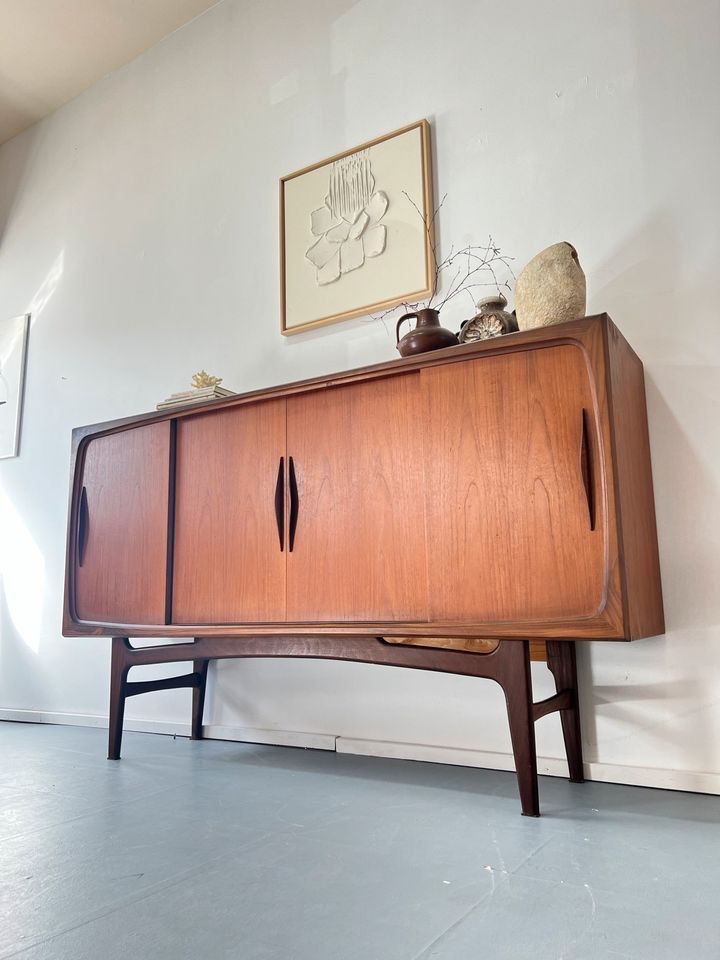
(499,492)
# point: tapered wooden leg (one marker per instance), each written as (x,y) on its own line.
(508,664)
(200,667)
(119,668)
(516,681)
(562,664)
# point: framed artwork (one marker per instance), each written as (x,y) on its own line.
(13,347)
(353,237)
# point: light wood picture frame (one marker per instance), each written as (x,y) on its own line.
(13,353)
(354,235)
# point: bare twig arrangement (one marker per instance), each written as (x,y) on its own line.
(462,271)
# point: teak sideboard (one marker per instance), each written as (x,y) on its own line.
(439,512)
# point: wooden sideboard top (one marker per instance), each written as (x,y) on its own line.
(574,331)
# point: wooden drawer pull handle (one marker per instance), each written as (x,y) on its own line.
(294,505)
(280,503)
(82,527)
(586,467)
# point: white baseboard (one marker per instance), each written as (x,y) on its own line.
(166,727)
(659,777)
(278,738)
(212,731)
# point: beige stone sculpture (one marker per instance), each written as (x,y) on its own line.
(551,288)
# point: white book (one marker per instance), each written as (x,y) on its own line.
(194,396)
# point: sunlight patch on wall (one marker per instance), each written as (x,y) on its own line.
(47,287)
(22,574)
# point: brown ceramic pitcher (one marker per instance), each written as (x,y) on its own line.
(427,334)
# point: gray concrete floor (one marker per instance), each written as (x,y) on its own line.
(223,850)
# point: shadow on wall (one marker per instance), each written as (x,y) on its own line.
(685,486)
(634,692)
(684,483)
(648,287)
(15,156)
(638,277)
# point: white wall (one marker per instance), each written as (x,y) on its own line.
(139,226)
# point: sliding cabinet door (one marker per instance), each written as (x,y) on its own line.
(121,527)
(357,504)
(516,517)
(229,564)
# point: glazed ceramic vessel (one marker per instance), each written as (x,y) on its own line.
(426,335)
(492,320)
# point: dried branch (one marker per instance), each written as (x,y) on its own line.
(478,260)
(460,272)
(430,234)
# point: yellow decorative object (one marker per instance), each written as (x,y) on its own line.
(203,379)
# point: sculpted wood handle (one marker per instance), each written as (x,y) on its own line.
(294,505)
(82,527)
(280,503)
(586,466)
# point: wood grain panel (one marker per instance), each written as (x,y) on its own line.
(619,458)
(509,511)
(123,572)
(538,650)
(228,565)
(359,549)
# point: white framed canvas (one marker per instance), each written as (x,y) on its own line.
(13,348)
(355,231)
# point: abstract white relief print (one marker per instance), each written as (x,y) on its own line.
(350,240)
(347,225)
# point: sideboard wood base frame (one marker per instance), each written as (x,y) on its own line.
(508,665)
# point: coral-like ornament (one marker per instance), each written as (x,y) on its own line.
(348,225)
(203,379)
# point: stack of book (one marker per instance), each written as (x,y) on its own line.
(188,398)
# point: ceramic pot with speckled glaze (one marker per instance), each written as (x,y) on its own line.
(492,320)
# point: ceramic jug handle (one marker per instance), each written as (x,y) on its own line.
(405,316)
